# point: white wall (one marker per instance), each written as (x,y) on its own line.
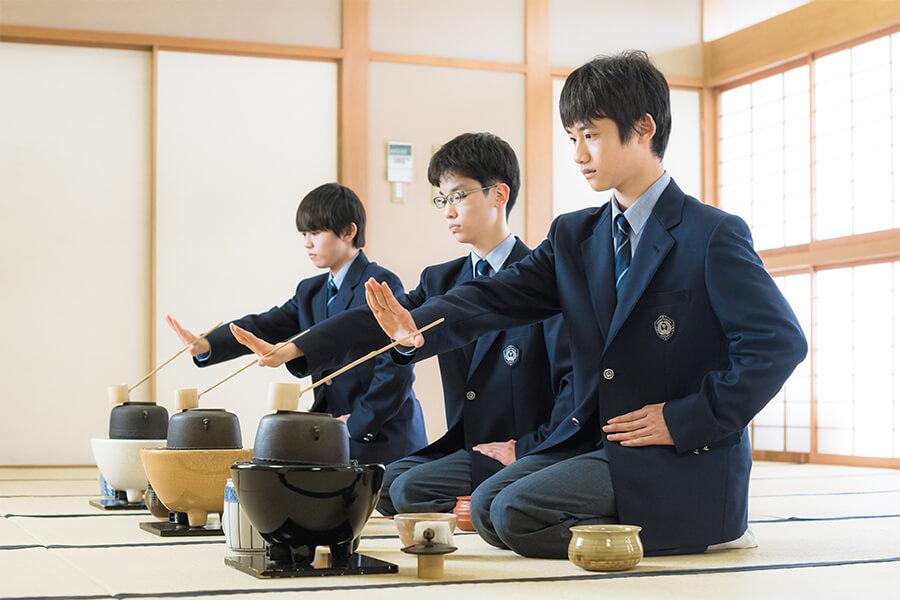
(668,30)
(297,22)
(74,243)
(241,141)
(460,29)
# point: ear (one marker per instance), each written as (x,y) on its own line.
(349,233)
(646,129)
(500,195)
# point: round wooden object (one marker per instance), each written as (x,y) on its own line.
(284,396)
(118,394)
(186,398)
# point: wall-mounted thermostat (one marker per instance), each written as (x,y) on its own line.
(399,168)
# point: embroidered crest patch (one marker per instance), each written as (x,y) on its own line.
(664,327)
(511,355)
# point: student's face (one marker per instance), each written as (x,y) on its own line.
(326,249)
(605,162)
(475,218)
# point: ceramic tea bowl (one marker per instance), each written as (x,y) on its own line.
(119,462)
(406,524)
(605,547)
(298,507)
(191,481)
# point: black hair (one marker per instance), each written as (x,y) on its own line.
(483,157)
(623,87)
(333,207)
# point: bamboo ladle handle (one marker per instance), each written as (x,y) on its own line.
(371,354)
(250,364)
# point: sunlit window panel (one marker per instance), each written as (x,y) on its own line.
(857,357)
(857,100)
(784,423)
(764,150)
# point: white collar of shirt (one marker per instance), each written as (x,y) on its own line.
(496,257)
(638,213)
(342,273)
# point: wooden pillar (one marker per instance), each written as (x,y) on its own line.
(353,109)
(538,176)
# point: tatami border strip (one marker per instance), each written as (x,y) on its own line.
(385,586)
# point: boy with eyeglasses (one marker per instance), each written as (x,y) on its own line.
(376,399)
(679,337)
(499,390)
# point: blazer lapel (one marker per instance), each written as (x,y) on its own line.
(656,241)
(319,300)
(354,275)
(599,267)
(484,343)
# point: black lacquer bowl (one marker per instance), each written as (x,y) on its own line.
(299,507)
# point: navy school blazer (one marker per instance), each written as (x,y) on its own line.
(700,326)
(385,417)
(502,386)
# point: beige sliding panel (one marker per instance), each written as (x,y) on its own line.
(74,243)
(682,157)
(240,141)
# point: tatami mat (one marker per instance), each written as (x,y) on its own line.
(823,531)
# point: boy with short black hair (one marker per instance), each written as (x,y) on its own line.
(376,399)
(679,337)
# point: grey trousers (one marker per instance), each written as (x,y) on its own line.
(422,484)
(529,506)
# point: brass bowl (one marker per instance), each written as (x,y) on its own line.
(606,547)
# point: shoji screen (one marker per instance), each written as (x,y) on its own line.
(241,141)
(74,243)
(682,158)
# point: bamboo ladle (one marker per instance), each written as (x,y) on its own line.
(250,364)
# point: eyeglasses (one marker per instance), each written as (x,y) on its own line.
(455,198)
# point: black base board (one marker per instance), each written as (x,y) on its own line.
(110,503)
(167,529)
(261,567)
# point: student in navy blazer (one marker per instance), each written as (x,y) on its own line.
(500,390)
(375,399)
(679,357)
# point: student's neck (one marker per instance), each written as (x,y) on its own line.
(484,246)
(337,267)
(628,192)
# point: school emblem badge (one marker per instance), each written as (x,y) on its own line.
(665,327)
(511,355)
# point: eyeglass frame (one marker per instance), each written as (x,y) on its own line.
(441,201)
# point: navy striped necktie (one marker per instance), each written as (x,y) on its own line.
(332,294)
(623,249)
(483,267)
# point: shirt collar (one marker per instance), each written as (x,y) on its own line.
(342,273)
(638,213)
(496,257)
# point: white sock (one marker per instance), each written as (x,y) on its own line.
(748,540)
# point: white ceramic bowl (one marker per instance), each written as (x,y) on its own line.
(120,463)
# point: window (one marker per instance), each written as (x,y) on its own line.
(810,157)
